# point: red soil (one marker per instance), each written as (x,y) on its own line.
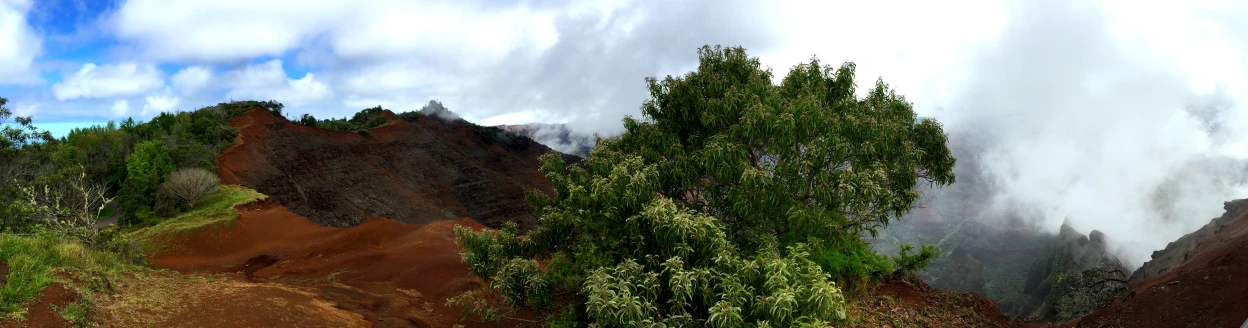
(1208,290)
(391,273)
(417,172)
(41,312)
(912,303)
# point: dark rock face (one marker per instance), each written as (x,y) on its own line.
(414,172)
(1180,251)
(964,274)
(1071,255)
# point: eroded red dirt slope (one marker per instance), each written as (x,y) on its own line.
(411,172)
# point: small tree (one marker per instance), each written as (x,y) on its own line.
(69,207)
(192,184)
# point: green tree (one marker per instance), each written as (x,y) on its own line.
(146,169)
(719,206)
(24,156)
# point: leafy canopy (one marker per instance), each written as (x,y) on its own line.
(707,211)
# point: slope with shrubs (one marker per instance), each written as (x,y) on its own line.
(732,203)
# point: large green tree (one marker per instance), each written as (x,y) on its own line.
(146,169)
(723,204)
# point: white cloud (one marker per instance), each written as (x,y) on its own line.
(160,102)
(121,107)
(19,44)
(25,109)
(122,79)
(269,81)
(221,30)
(191,79)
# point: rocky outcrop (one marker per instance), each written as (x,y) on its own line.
(415,172)
(1071,254)
(1197,281)
(1180,251)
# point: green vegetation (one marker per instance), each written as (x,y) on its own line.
(43,258)
(363,121)
(496,135)
(146,169)
(370,118)
(729,204)
(217,209)
(107,212)
(55,190)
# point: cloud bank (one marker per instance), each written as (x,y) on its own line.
(1081,124)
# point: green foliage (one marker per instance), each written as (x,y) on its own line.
(361,122)
(727,205)
(496,135)
(146,169)
(853,266)
(215,209)
(235,108)
(38,260)
(1075,294)
(907,262)
(309,120)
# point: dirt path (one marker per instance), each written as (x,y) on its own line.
(382,273)
(111,220)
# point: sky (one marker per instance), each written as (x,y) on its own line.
(1091,108)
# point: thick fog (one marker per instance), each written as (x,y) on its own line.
(1078,124)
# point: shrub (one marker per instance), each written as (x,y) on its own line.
(708,211)
(191,185)
(907,262)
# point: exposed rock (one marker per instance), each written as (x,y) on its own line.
(414,172)
(1204,287)
(1071,254)
(1180,251)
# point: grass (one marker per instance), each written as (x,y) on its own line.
(36,261)
(39,260)
(108,211)
(217,209)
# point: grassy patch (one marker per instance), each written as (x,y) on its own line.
(108,211)
(333,276)
(217,209)
(36,261)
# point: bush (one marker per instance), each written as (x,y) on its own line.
(907,262)
(191,185)
(711,210)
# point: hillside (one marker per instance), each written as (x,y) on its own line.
(1194,282)
(413,172)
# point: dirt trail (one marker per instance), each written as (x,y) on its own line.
(383,273)
(389,273)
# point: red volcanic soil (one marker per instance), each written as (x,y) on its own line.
(1208,290)
(390,273)
(912,303)
(43,313)
(414,172)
